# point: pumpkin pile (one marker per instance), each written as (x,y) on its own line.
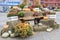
(20,30)
(23,29)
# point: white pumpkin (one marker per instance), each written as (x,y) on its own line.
(12,35)
(40,24)
(49,29)
(5,35)
(9,32)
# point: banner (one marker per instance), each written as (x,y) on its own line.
(10,2)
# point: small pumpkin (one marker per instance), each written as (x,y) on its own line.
(6,26)
(12,35)
(45,18)
(9,32)
(5,35)
(34,10)
(15,7)
(21,14)
(26,9)
(49,29)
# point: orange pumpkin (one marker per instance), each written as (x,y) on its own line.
(15,7)
(45,18)
(6,26)
(26,9)
(34,10)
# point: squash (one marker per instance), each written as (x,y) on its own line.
(26,9)
(49,29)
(45,18)
(12,35)
(15,7)
(34,10)
(5,35)
(9,32)
(6,26)
(21,14)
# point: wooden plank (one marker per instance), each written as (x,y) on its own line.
(30,17)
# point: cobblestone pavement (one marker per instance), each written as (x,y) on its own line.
(54,35)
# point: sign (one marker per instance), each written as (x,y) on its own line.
(12,18)
(51,16)
(31,23)
(10,2)
(4,4)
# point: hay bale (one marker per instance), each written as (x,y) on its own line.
(13,23)
(35,28)
(56,26)
(43,27)
(40,27)
(48,22)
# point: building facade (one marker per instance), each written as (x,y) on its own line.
(31,2)
(54,3)
(36,2)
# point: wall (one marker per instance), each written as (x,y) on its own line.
(54,3)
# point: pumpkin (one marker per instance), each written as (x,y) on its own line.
(49,29)
(45,18)
(5,35)
(9,32)
(26,9)
(6,26)
(15,7)
(12,35)
(21,14)
(34,10)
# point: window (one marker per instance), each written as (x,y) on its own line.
(58,0)
(46,0)
(51,0)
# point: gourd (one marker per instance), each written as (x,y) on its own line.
(50,29)
(21,14)
(26,9)
(5,35)
(6,26)
(45,18)
(12,35)
(34,10)
(9,32)
(15,7)
(21,6)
